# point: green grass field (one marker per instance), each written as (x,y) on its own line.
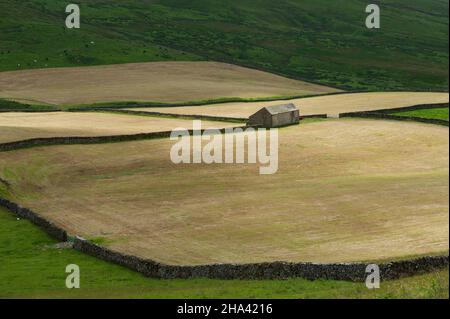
(315,40)
(437,114)
(32,267)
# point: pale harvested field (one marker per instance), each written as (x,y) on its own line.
(346,190)
(20,126)
(333,104)
(155,81)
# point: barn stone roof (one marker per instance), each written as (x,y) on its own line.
(282,108)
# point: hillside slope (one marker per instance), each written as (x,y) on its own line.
(316,40)
(153,81)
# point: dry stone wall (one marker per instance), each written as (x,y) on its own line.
(25,213)
(274,270)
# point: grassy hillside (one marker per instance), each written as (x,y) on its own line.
(437,114)
(317,40)
(33,267)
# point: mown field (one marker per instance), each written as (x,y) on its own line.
(314,40)
(332,104)
(32,267)
(346,190)
(144,82)
(16,126)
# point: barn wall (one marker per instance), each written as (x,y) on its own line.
(257,119)
(268,121)
(285,119)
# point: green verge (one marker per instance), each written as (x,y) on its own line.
(32,267)
(8,105)
(436,114)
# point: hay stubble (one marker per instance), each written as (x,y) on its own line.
(347,190)
(19,125)
(331,104)
(154,81)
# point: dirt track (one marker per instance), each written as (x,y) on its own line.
(346,190)
(333,104)
(155,81)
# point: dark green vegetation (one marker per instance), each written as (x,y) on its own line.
(437,114)
(316,40)
(31,266)
(6,105)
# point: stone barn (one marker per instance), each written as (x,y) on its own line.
(275,116)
